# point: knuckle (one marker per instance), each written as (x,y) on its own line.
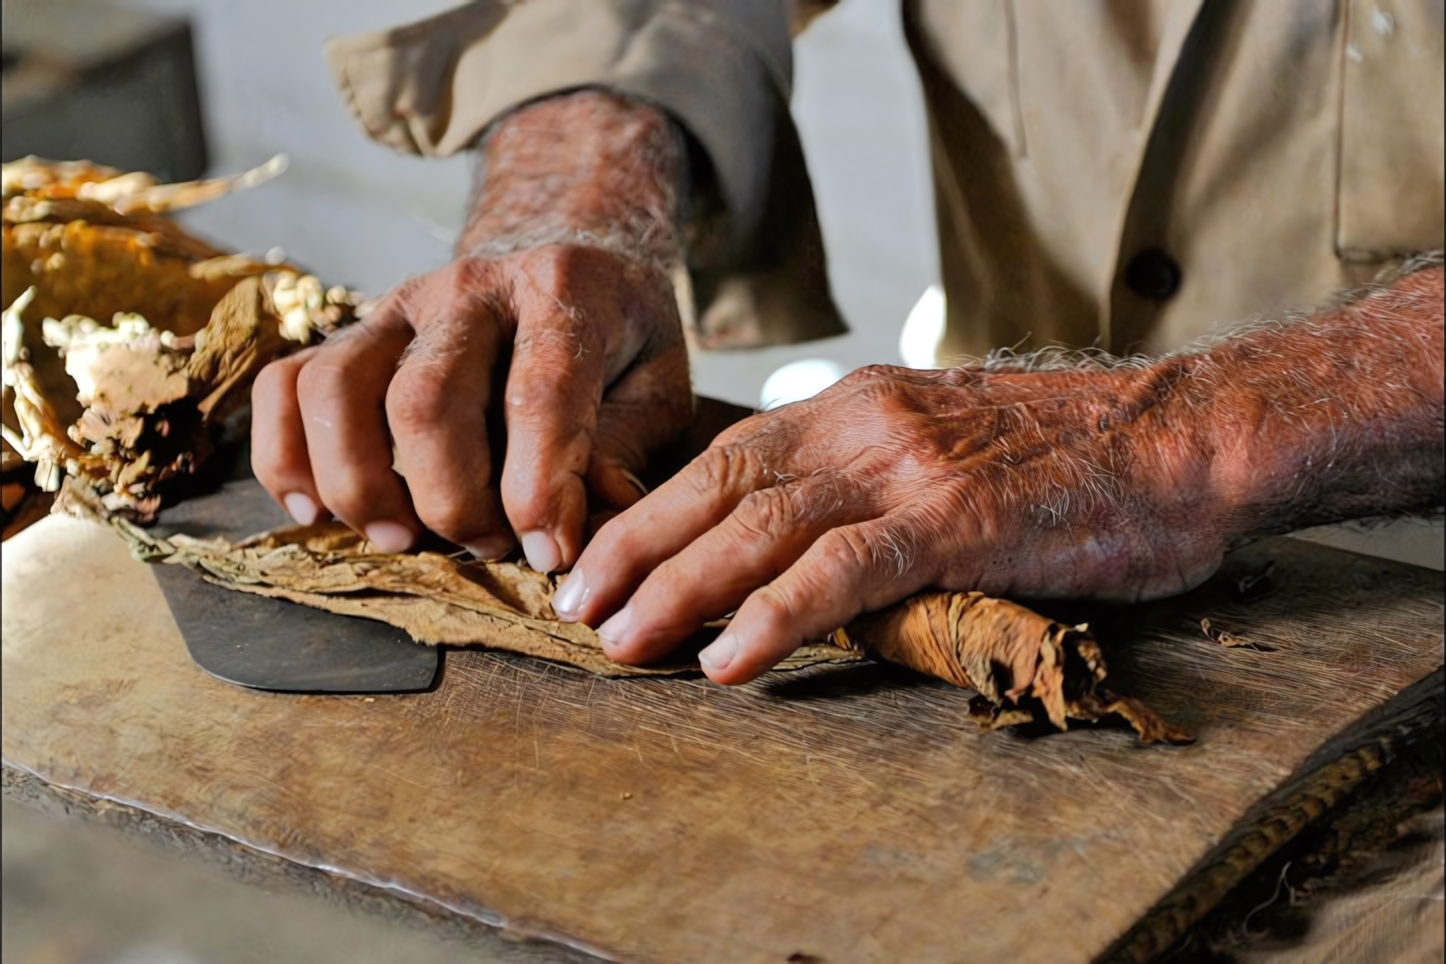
(536,499)
(768,435)
(318,380)
(876,372)
(457,273)
(411,286)
(766,514)
(772,608)
(546,271)
(466,279)
(563,261)
(867,375)
(529,507)
(549,347)
(543,257)
(739,432)
(415,404)
(561,265)
(448,516)
(827,495)
(875,384)
(538,396)
(394,301)
(272,380)
(848,548)
(725,468)
(392,310)
(347,498)
(407,293)
(467,286)
(615,540)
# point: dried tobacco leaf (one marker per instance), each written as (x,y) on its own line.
(33,429)
(434,597)
(133,406)
(1024,667)
(1230,640)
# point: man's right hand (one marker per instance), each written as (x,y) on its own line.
(556,325)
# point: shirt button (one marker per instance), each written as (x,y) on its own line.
(1153,274)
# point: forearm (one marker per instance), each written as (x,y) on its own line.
(586,168)
(1333,417)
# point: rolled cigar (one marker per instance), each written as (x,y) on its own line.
(1024,666)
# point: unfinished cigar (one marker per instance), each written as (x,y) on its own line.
(1023,665)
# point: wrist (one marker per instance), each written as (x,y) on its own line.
(588,169)
(1141,450)
(1333,417)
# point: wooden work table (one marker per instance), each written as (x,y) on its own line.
(835,814)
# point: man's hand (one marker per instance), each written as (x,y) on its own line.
(554,333)
(889,482)
(1124,483)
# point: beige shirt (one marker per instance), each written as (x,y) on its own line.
(1130,176)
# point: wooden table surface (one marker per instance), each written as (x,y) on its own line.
(838,814)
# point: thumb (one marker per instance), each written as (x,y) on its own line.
(648,407)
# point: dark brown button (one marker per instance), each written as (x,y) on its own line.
(1153,274)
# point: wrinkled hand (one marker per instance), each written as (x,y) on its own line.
(576,352)
(891,481)
(497,395)
(1124,483)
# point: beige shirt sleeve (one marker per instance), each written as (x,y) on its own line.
(721,68)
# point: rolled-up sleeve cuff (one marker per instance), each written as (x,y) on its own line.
(722,68)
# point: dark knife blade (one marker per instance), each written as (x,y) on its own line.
(273,644)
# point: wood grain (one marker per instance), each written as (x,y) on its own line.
(850,814)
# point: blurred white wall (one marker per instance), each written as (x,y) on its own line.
(358,214)
(353,212)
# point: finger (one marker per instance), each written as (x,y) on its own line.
(436,406)
(279,457)
(554,388)
(847,571)
(342,392)
(767,533)
(659,527)
(651,405)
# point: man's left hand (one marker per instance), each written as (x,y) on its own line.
(1026,483)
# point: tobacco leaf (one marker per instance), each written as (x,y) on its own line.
(435,598)
(1025,667)
(134,407)
(1230,640)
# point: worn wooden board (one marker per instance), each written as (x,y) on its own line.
(847,814)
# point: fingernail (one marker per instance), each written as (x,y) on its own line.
(389,536)
(302,509)
(718,654)
(634,481)
(541,551)
(613,630)
(570,597)
(490,549)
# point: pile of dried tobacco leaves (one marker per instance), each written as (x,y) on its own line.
(128,343)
